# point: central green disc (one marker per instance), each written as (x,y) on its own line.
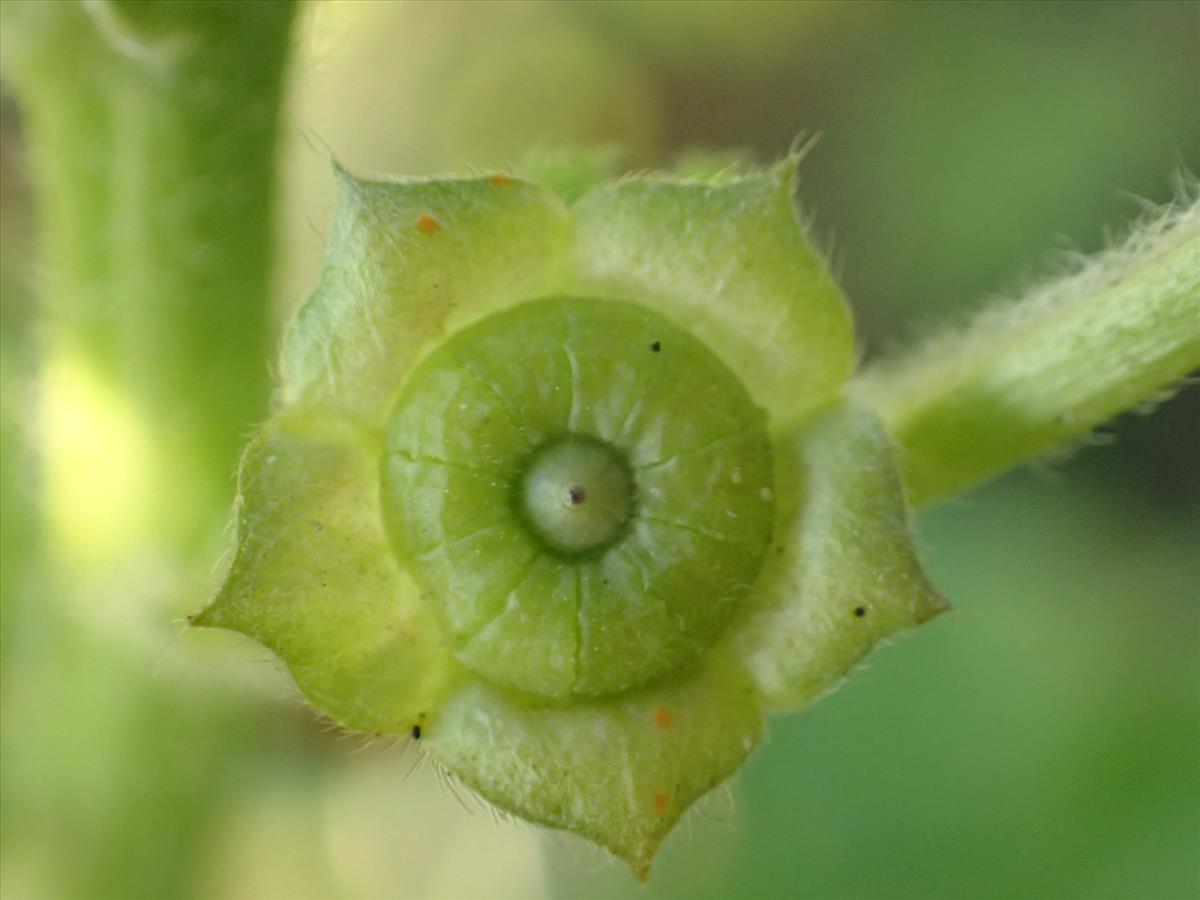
(577,495)
(583,491)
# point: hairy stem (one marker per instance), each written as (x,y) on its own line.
(1023,378)
(151,129)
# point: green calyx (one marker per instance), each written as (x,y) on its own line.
(588,511)
(577,495)
(580,545)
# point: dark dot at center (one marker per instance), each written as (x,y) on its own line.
(656,346)
(576,495)
(860,611)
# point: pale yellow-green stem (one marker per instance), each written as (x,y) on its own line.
(1024,378)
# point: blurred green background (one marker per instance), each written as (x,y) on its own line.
(1043,741)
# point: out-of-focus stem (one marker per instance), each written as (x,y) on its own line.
(151,132)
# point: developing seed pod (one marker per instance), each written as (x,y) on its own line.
(585,514)
(569,494)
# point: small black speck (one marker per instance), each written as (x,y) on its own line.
(656,346)
(416,732)
(576,495)
(860,611)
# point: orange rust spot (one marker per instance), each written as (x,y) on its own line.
(660,802)
(663,717)
(499,179)
(427,224)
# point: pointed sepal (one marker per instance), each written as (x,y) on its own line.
(727,259)
(408,262)
(620,771)
(315,581)
(843,574)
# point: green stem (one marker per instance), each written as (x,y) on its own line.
(151,138)
(151,129)
(1024,378)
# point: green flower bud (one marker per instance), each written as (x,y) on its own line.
(573,490)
